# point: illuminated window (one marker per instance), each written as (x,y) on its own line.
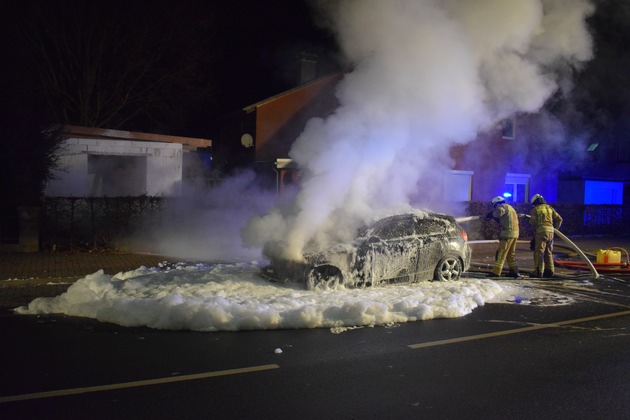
(458,185)
(516,187)
(603,192)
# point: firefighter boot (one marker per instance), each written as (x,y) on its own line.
(547,274)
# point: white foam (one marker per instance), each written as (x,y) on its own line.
(232,297)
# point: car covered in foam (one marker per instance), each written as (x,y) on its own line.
(402,248)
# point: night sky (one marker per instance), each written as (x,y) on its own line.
(258,44)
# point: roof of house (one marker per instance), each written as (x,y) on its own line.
(189,143)
(304,91)
(281,118)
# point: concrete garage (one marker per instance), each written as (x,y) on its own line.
(99,162)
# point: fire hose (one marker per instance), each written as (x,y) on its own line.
(619,266)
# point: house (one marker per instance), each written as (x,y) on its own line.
(261,135)
(99,162)
(604,180)
(505,159)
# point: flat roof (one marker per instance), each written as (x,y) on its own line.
(103,133)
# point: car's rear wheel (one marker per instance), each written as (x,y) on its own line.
(449,268)
(324,277)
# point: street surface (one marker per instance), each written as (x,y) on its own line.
(518,361)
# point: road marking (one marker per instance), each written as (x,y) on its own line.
(148,382)
(515,331)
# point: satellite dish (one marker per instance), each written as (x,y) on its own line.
(247,140)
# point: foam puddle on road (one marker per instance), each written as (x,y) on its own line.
(233,297)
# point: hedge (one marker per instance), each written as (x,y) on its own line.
(71,223)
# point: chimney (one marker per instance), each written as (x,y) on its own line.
(308,67)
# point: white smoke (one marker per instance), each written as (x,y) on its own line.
(205,224)
(427,74)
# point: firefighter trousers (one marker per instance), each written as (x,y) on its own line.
(543,254)
(506,252)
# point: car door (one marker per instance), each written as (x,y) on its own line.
(432,231)
(393,251)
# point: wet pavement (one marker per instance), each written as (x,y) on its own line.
(26,276)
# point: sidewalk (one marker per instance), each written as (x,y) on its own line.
(25,276)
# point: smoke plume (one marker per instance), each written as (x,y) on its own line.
(426,75)
(204,224)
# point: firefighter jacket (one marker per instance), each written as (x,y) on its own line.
(545,219)
(508,219)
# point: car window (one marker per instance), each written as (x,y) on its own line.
(403,226)
(395,228)
(428,226)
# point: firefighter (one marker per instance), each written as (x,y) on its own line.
(544,219)
(508,220)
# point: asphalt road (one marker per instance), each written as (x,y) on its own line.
(519,361)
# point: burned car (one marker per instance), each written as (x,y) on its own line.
(403,248)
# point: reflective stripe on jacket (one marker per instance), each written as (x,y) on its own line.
(545,218)
(508,219)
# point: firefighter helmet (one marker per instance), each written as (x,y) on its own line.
(537,199)
(497,200)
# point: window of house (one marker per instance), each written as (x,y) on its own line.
(592,147)
(603,192)
(458,185)
(508,129)
(516,187)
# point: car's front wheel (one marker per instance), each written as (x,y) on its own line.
(324,277)
(449,268)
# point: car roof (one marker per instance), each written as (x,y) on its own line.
(416,217)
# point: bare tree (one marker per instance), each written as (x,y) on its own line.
(117,64)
